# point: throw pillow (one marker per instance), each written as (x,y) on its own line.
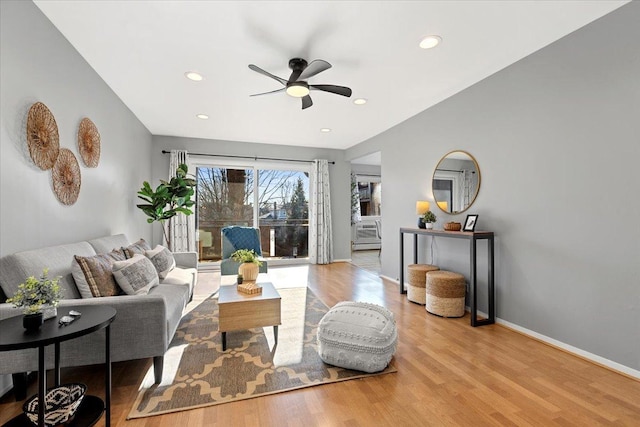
(136,275)
(162,260)
(139,247)
(93,274)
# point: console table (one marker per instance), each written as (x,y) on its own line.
(93,318)
(472,237)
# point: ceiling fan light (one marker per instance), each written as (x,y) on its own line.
(297,90)
(430,42)
(193,75)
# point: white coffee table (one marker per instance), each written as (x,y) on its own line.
(239,311)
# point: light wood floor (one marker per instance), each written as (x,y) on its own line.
(367,260)
(449,374)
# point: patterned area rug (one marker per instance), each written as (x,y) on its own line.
(197,373)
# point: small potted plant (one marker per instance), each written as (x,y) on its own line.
(249,263)
(428,218)
(36,295)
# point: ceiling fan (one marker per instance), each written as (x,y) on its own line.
(297,86)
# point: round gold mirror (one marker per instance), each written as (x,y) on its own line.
(456,182)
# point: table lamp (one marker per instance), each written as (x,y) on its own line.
(422,207)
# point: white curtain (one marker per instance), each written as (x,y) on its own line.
(181,229)
(320,241)
(356,215)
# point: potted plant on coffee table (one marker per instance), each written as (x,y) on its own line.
(249,263)
(35,296)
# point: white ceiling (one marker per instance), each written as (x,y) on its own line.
(143,48)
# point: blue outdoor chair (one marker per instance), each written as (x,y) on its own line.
(236,237)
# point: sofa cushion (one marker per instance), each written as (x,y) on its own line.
(180,276)
(136,275)
(15,268)
(162,260)
(94,276)
(102,245)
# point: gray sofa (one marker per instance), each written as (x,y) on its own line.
(144,324)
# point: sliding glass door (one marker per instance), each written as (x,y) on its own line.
(266,196)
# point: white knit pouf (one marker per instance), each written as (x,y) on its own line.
(357,335)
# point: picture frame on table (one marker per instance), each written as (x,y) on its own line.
(470,223)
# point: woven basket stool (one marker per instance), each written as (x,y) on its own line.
(418,281)
(445,293)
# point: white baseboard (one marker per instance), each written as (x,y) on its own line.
(610,364)
(571,349)
(390,279)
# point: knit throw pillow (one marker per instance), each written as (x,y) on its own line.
(93,275)
(135,275)
(162,260)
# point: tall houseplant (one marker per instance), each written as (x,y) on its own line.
(168,199)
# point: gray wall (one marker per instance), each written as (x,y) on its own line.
(38,64)
(557,138)
(339,174)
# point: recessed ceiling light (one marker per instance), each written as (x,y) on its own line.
(360,101)
(192,75)
(202,116)
(325,130)
(430,42)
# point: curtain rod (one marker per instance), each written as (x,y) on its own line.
(247,157)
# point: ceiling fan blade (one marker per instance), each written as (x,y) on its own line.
(267,93)
(295,75)
(340,90)
(306,102)
(266,73)
(314,68)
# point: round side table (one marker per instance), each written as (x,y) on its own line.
(93,318)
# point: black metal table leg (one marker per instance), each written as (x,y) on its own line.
(473,289)
(107,374)
(402,291)
(57,365)
(224,341)
(42,385)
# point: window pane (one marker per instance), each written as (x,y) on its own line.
(284,213)
(224,197)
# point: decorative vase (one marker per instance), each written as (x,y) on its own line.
(421,223)
(428,225)
(49,312)
(249,271)
(32,322)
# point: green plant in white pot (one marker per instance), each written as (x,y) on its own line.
(249,263)
(429,218)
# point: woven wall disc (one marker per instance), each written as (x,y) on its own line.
(42,136)
(89,143)
(66,177)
